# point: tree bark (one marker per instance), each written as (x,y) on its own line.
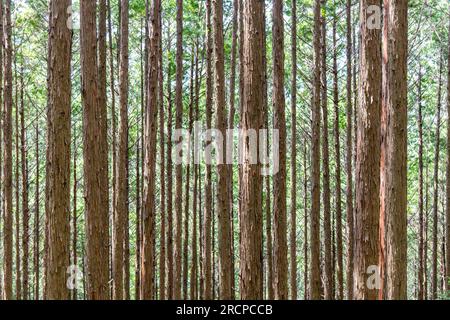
(348,164)
(96,213)
(59,126)
(178,167)
(223,205)
(251,119)
(394,176)
(279,106)
(148,208)
(315,163)
(367,214)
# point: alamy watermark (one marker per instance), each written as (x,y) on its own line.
(234,146)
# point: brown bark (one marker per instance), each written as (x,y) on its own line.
(394,178)
(279,186)
(18,270)
(328,271)
(75,215)
(36,235)
(25,204)
(207,295)
(293,209)
(223,205)
(337,148)
(94,169)
(187,186)
(148,208)
(421,274)
(178,168)
(349,156)
(162,244)
(169,262)
(58,218)
(367,214)
(251,180)
(447,203)
(305,227)
(434,258)
(314,287)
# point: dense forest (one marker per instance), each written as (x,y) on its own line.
(224,149)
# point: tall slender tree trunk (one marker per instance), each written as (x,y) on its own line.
(434,259)
(162,244)
(305,227)
(97,225)
(421,274)
(36,238)
(315,163)
(25,205)
(394,178)
(367,214)
(59,126)
(337,148)
(208,289)
(16,182)
(223,204)
(251,119)
(293,213)
(75,214)
(349,145)
(328,270)
(447,208)
(279,106)
(169,262)
(178,167)
(148,208)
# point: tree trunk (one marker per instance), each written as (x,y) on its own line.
(208,184)
(25,207)
(148,208)
(59,126)
(337,148)
(293,213)
(367,214)
(279,187)
(447,208)
(96,213)
(315,163)
(251,119)
(421,293)
(394,178)
(434,259)
(223,205)
(178,167)
(36,239)
(328,270)
(348,164)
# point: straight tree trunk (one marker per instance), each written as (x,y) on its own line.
(328,270)
(367,214)
(337,148)
(97,225)
(348,164)
(447,203)
(293,211)
(148,208)
(421,274)
(25,205)
(36,239)
(16,182)
(178,167)
(208,289)
(162,244)
(434,259)
(279,188)
(394,176)
(75,214)
(223,204)
(231,116)
(315,163)
(59,126)
(102,101)
(169,262)
(251,119)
